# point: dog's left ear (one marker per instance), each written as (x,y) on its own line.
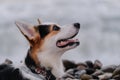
(29,31)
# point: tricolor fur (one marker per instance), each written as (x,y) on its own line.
(48,42)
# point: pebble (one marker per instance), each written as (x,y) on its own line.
(81,66)
(116,77)
(79,73)
(109,68)
(97,64)
(105,76)
(116,71)
(71,79)
(95,77)
(89,64)
(90,71)
(98,72)
(85,77)
(75,72)
(69,64)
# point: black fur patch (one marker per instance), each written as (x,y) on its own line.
(44,30)
(30,63)
(50,76)
(7,72)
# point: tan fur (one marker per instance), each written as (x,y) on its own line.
(35,48)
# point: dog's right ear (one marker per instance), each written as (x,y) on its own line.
(29,31)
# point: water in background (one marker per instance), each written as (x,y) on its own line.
(99,34)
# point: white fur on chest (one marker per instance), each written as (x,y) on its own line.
(53,62)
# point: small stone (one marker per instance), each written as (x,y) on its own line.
(116,71)
(116,77)
(79,73)
(89,64)
(98,72)
(81,66)
(67,76)
(97,64)
(75,72)
(90,71)
(85,77)
(71,79)
(95,77)
(105,76)
(109,68)
(69,64)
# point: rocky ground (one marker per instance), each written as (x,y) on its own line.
(88,70)
(93,71)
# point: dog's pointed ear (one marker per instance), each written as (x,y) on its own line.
(28,30)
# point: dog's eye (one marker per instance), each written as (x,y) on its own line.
(56,28)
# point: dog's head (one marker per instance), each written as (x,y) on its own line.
(50,38)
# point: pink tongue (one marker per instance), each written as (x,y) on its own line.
(62,43)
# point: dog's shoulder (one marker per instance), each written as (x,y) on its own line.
(15,71)
(8,72)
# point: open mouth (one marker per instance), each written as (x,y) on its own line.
(67,42)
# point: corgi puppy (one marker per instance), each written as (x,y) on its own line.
(48,42)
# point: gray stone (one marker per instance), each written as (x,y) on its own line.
(89,64)
(79,73)
(116,71)
(105,76)
(109,68)
(85,77)
(116,77)
(81,66)
(97,64)
(98,72)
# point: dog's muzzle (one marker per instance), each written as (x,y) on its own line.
(69,41)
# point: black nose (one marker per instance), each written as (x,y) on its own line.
(77,25)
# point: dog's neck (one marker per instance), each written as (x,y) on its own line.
(49,62)
(52,60)
(30,63)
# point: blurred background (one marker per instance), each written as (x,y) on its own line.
(99,34)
